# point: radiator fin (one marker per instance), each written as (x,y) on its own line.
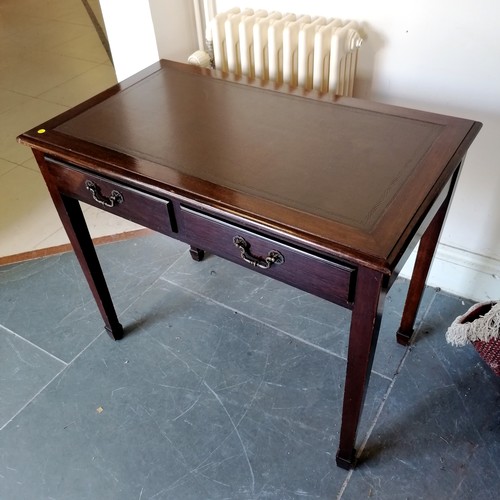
(314,53)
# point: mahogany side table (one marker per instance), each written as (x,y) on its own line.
(329,195)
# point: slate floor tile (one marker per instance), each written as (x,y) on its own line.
(300,314)
(49,302)
(214,395)
(197,402)
(24,371)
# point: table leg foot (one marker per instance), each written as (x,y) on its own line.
(115,332)
(346,462)
(404,337)
(197,253)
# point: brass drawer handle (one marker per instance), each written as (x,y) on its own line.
(115,199)
(273,257)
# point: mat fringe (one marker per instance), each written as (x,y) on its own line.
(482,328)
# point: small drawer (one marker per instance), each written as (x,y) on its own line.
(298,267)
(139,207)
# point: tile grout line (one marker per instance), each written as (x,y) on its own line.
(384,400)
(33,398)
(97,26)
(246,315)
(386,377)
(138,297)
(225,306)
(374,423)
(67,365)
(462,401)
(8,330)
(421,322)
(162,277)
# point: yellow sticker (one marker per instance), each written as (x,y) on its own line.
(41,131)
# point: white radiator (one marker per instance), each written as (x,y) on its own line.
(314,53)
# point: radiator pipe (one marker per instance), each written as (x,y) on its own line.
(210,13)
(204,56)
(199,24)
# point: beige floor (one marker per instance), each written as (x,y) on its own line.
(51,58)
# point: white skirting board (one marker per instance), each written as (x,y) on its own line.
(461,273)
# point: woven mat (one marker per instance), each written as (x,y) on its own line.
(490,352)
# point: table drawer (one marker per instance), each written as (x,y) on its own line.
(318,275)
(143,208)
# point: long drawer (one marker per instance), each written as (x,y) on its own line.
(315,274)
(137,206)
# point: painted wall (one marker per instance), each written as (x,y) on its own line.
(175,28)
(441,56)
(142,31)
(131,35)
(444,57)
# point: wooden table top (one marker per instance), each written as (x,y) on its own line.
(353,177)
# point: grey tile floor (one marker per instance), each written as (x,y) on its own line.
(227,386)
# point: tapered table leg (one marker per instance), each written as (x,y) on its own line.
(76,228)
(87,257)
(425,254)
(365,325)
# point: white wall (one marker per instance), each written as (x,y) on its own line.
(131,35)
(175,28)
(142,31)
(442,56)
